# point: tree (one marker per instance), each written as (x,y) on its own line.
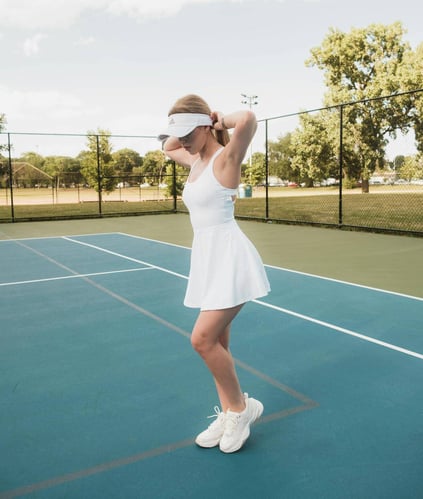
(411,76)
(360,65)
(255,173)
(34,159)
(398,162)
(154,164)
(410,169)
(97,166)
(65,170)
(280,154)
(27,175)
(126,160)
(28,170)
(2,125)
(174,185)
(4,169)
(315,153)
(4,165)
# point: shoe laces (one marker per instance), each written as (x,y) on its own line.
(219,415)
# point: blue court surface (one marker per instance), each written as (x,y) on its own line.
(102,395)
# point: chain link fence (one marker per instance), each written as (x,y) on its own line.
(336,184)
(59,179)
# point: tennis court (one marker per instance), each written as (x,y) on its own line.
(102,395)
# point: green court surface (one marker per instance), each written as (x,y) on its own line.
(102,396)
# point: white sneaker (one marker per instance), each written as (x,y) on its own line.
(211,437)
(237,425)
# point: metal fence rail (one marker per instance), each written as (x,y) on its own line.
(388,204)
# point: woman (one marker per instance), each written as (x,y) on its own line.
(226,270)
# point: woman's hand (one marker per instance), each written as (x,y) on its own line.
(216,117)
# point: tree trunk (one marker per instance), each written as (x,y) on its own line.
(365,185)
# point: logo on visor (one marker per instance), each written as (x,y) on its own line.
(171,121)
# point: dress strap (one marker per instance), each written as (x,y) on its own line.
(209,164)
(216,154)
(192,168)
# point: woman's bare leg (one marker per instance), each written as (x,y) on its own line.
(210,338)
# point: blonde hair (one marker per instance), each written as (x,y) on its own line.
(195,104)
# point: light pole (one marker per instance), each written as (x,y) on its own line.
(251,100)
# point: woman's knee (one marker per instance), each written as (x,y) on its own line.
(212,329)
(197,343)
(201,342)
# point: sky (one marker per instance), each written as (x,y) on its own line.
(70,66)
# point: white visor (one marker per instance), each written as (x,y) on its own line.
(182,124)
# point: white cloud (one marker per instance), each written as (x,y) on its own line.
(59,14)
(44,14)
(31,45)
(61,112)
(157,8)
(27,107)
(161,8)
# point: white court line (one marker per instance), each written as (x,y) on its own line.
(280,309)
(157,241)
(361,286)
(292,271)
(75,276)
(17,239)
(284,269)
(341,330)
(315,276)
(262,303)
(136,260)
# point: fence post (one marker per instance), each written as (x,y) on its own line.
(12,206)
(267,169)
(99,176)
(341,147)
(174,193)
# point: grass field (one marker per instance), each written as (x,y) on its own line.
(378,210)
(385,207)
(47,195)
(87,209)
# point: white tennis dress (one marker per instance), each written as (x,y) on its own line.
(226,269)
